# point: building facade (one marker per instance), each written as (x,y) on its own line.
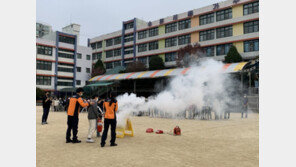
(61,62)
(215,27)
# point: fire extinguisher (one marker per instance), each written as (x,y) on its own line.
(99,127)
(177,131)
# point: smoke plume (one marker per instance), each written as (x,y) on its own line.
(204,84)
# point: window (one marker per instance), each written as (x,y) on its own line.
(78,82)
(109,42)
(99,44)
(65,55)
(109,65)
(117,52)
(184,39)
(79,55)
(251,8)
(251,46)
(143,60)
(206,35)
(43,65)
(224,14)
(109,53)
(169,42)
(96,56)
(171,27)
(87,70)
(184,24)
(60,83)
(129,25)
(44,50)
(87,57)
(117,40)
(252,26)
(170,56)
(117,63)
(43,80)
(153,32)
(129,50)
(153,45)
(64,69)
(206,19)
(93,46)
(142,47)
(128,38)
(223,49)
(142,34)
(209,51)
(70,40)
(224,32)
(78,69)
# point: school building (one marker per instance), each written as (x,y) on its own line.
(215,27)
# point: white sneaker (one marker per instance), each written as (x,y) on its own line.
(90,140)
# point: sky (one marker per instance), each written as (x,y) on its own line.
(98,17)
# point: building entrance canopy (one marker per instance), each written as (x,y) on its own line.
(227,68)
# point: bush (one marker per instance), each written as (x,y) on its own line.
(156,63)
(98,69)
(233,56)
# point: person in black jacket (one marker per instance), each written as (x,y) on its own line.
(46,102)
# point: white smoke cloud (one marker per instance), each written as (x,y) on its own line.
(203,85)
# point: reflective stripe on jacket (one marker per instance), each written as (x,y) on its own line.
(75,104)
(110,110)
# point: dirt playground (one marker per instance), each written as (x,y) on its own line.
(203,143)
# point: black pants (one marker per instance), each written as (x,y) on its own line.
(108,122)
(72,125)
(45,114)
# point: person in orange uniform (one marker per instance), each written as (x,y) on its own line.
(76,103)
(110,107)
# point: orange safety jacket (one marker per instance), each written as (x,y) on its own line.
(110,110)
(75,105)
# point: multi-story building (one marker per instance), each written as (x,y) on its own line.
(42,29)
(215,27)
(61,62)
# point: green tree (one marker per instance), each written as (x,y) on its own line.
(233,56)
(98,69)
(39,93)
(156,63)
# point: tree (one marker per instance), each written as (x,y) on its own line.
(136,67)
(233,56)
(188,54)
(39,93)
(156,63)
(98,69)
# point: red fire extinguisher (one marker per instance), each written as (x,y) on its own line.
(99,127)
(177,130)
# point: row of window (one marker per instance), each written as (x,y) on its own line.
(227,13)
(44,50)
(78,69)
(96,56)
(113,53)
(43,80)
(43,65)
(113,64)
(66,39)
(249,27)
(63,69)
(109,42)
(60,83)
(249,46)
(184,24)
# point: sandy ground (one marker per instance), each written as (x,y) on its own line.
(224,143)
